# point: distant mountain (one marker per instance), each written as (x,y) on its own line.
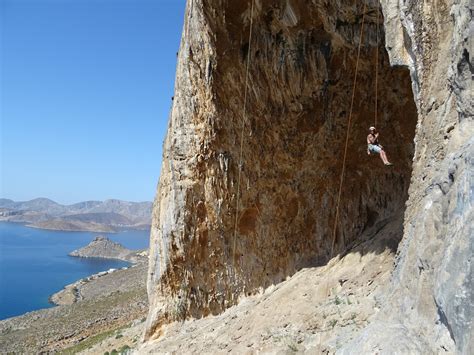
(110,218)
(101,216)
(5,202)
(73,226)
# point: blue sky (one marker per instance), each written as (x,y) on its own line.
(86,90)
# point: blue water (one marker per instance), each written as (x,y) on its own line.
(34,263)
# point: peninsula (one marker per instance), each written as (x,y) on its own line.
(100,247)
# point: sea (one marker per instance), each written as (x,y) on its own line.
(34,263)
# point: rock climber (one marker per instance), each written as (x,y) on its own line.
(374,145)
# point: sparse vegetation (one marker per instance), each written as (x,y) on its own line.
(124,349)
(87,343)
(332,323)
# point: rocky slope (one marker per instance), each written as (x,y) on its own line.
(107,305)
(250,175)
(315,311)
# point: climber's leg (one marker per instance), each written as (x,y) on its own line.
(384,158)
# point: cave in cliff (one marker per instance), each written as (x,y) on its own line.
(272,153)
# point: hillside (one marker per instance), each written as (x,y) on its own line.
(97,216)
(108,304)
(72,226)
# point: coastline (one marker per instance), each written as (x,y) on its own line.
(72,293)
(92,230)
(97,228)
(113,230)
(109,304)
(89,309)
(39,266)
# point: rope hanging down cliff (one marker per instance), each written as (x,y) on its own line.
(244,119)
(341,180)
(377,64)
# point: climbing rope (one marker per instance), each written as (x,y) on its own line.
(341,181)
(244,119)
(377,65)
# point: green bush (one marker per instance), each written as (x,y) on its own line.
(124,349)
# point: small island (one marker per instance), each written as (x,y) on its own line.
(101,247)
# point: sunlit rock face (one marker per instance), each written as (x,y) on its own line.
(301,60)
(431,306)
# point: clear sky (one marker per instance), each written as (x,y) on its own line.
(85,93)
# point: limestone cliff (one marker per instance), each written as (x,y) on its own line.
(226,227)
(431,306)
(301,69)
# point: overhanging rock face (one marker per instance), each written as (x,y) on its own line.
(301,60)
(431,307)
